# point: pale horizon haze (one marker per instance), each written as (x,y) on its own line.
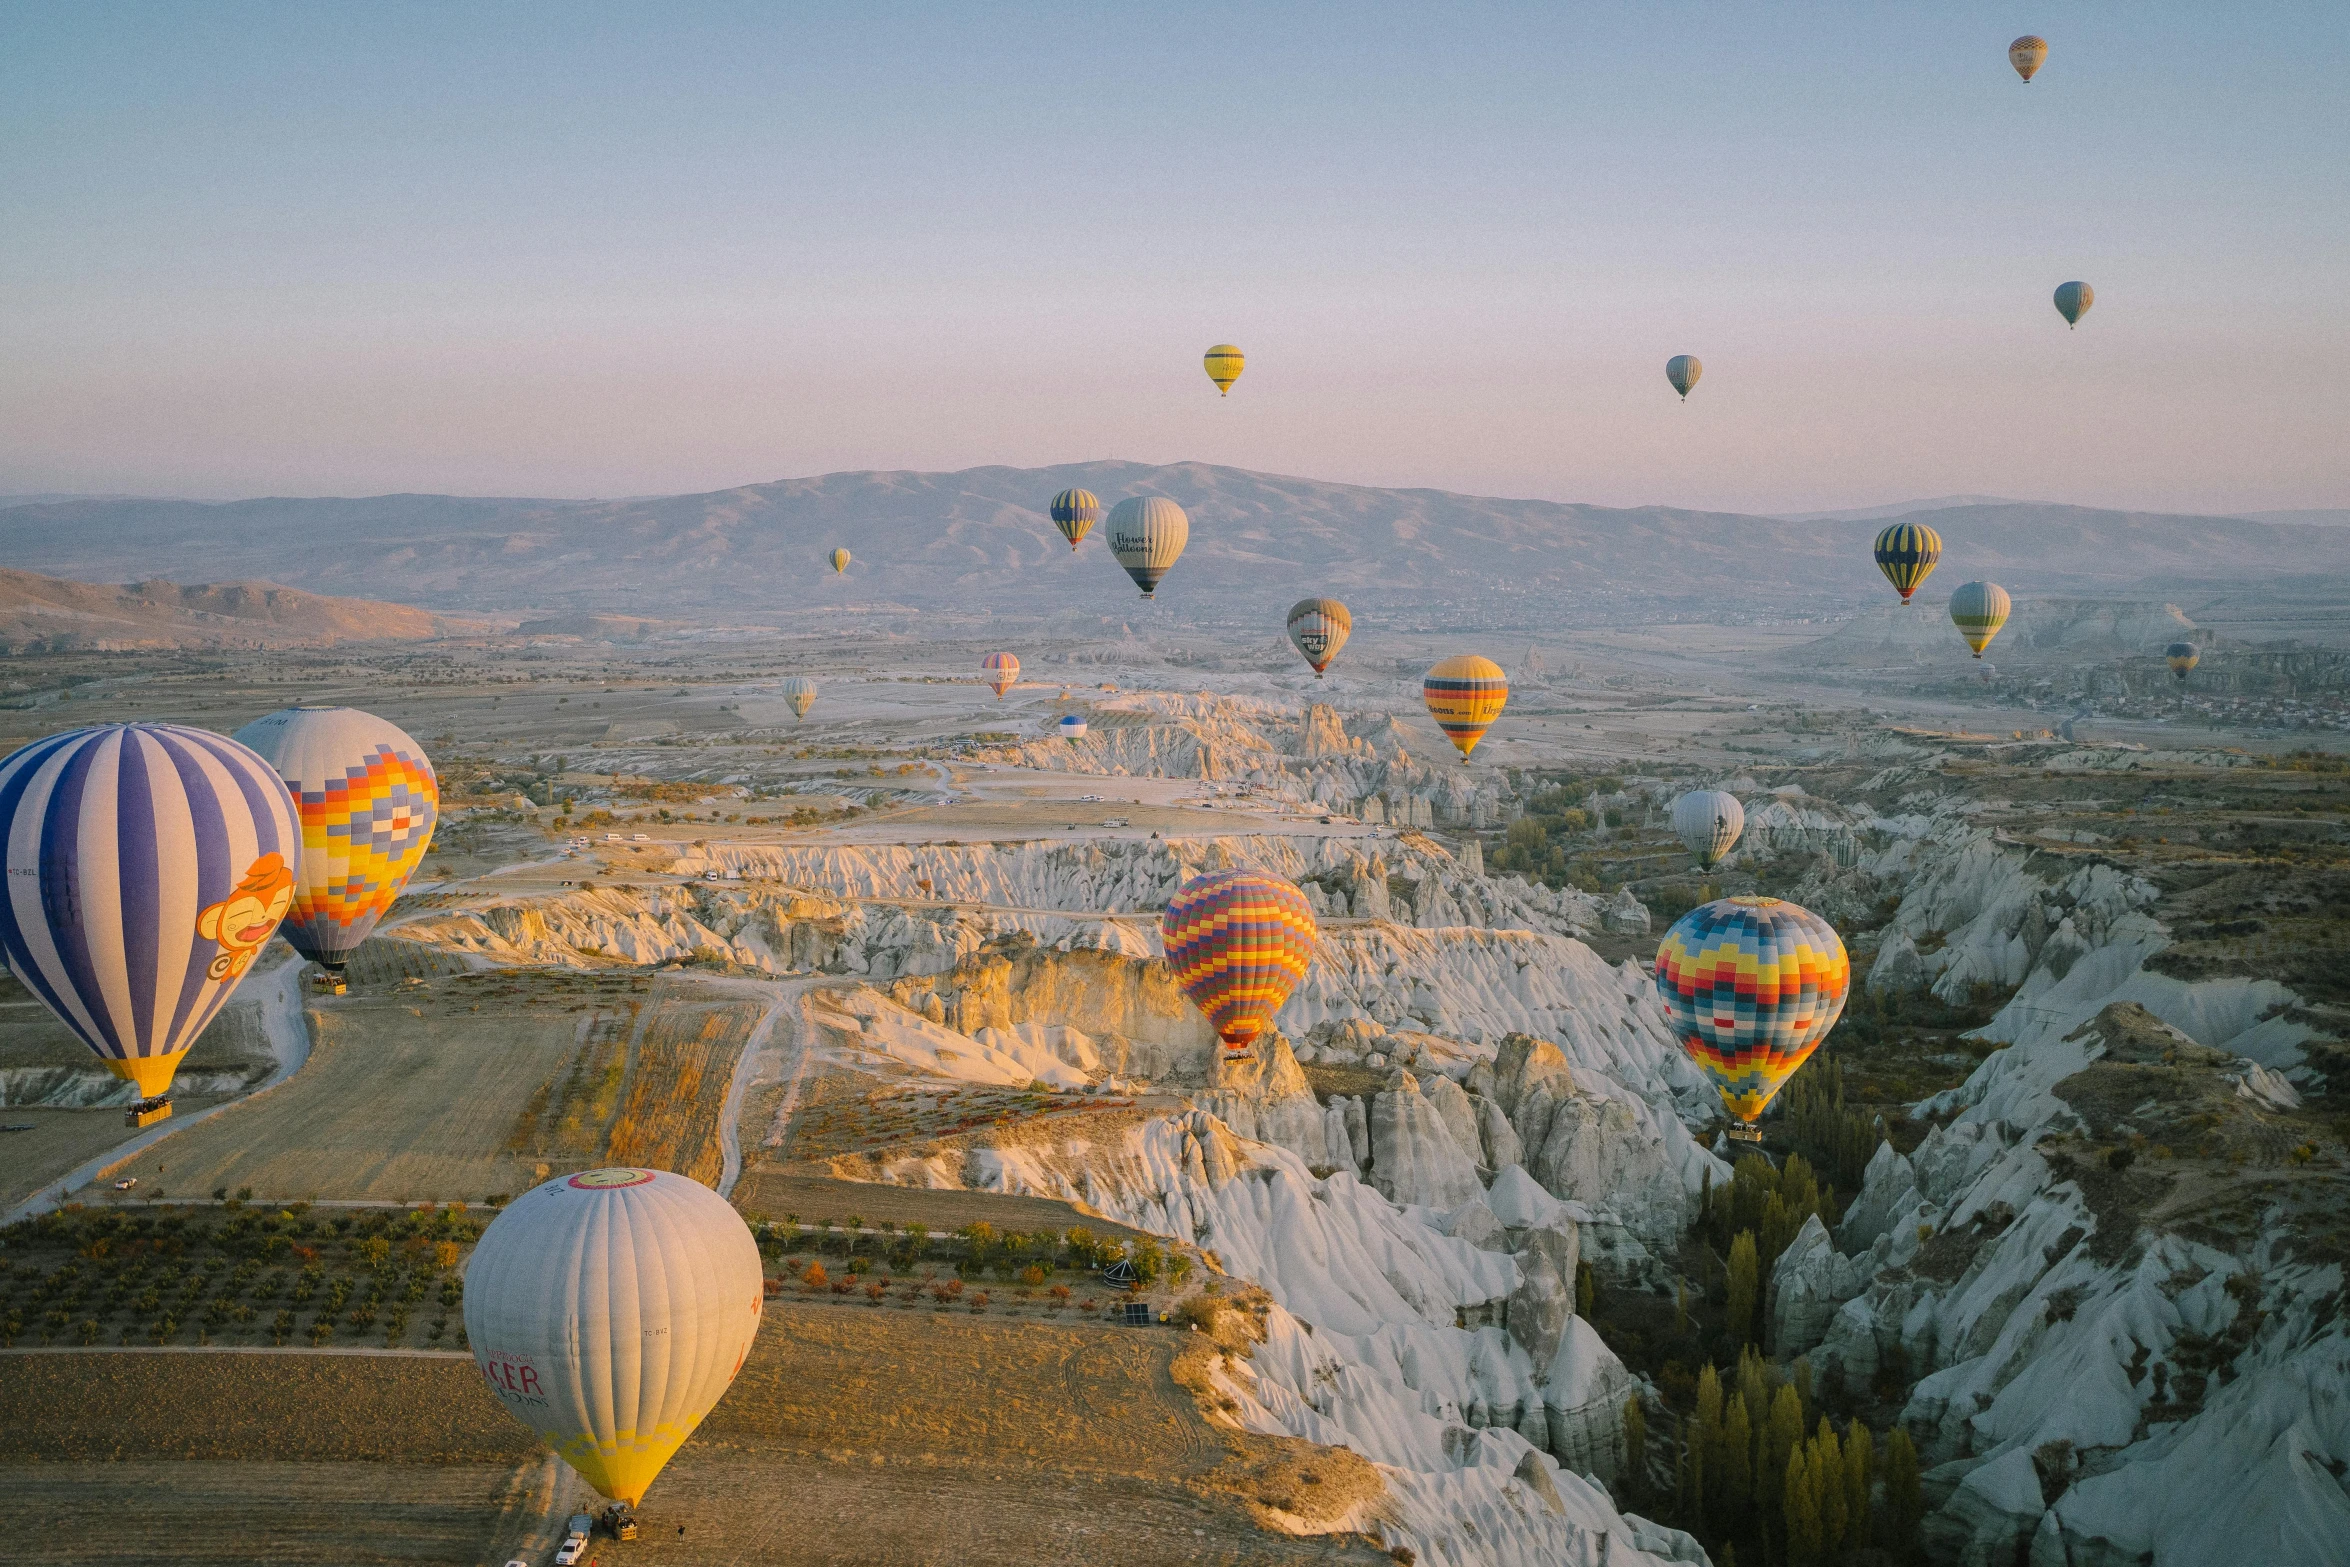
(606,250)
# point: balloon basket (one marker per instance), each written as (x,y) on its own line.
(328,982)
(147,1112)
(1740,1132)
(621,1521)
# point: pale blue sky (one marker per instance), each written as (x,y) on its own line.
(599,250)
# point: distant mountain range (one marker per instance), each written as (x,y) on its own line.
(50,613)
(978,542)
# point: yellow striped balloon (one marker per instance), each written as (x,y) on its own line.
(1224,364)
(2025,54)
(1075,512)
(1978,610)
(840,561)
(1238,943)
(1318,628)
(1907,553)
(1002,670)
(1465,695)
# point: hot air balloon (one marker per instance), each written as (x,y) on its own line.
(1318,628)
(369,802)
(1238,941)
(2183,657)
(1683,370)
(148,864)
(1074,513)
(1071,728)
(2073,301)
(800,692)
(1709,821)
(840,562)
(1002,669)
(1907,553)
(1147,535)
(2025,54)
(1979,609)
(1465,695)
(609,1310)
(1751,986)
(1224,364)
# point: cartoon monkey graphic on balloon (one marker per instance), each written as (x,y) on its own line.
(243,921)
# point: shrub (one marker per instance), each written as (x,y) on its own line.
(814,1278)
(1200,1311)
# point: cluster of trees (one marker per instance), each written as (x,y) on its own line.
(979,1249)
(1752,1221)
(1814,1118)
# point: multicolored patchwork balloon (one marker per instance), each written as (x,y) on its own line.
(147,864)
(1751,986)
(1238,941)
(369,803)
(1465,695)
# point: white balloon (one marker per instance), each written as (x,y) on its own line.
(800,692)
(609,1311)
(1709,821)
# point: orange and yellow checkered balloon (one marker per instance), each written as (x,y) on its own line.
(1752,985)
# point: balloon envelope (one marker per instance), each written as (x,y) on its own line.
(1979,609)
(1071,729)
(1224,364)
(1147,535)
(609,1310)
(1465,695)
(1709,821)
(369,802)
(840,561)
(1075,512)
(1318,628)
(2182,657)
(1238,942)
(1002,669)
(1683,370)
(148,864)
(1751,986)
(1907,554)
(800,692)
(2026,53)
(2073,301)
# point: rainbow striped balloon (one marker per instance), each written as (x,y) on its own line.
(1238,941)
(1752,985)
(148,864)
(1002,670)
(1465,695)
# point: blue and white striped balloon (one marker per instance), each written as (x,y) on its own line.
(147,864)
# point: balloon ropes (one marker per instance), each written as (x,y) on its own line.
(840,562)
(1683,370)
(2182,657)
(1147,535)
(1238,942)
(1318,628)
(369,801)
(609,1311)
(1465,695)
(2026,54)
(800,693)
(1075,512)
(2073,301)
(1224,364)
(1709,821)
(1002,670)
(1979,609)
(1907,554)
(1751,986)
(148,864)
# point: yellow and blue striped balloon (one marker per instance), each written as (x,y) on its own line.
(1907,554)
(1465,695)
(148,864)
(1238,942)
(1075,512)
(1751,986)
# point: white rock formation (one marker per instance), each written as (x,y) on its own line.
(1414,1159)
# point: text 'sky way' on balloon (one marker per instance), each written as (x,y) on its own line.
(1907,554)
(1318,628)
(840,561)
(369,801)
(1071,728)
(1238,943)
(799,693)
(1709,821)
(1751,986)
(2073,301)
(1978,610)
(1147,535)
(2026,54)
(1075,512)
(1224,364)
(2182,658)
(1465,694)
(609,1310)
(1003,669)
(147,866)
(1683,370)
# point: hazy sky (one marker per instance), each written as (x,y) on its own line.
(587,249)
